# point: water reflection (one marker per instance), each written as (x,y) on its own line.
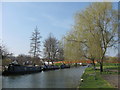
(63,78)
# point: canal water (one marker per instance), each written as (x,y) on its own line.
(62,78)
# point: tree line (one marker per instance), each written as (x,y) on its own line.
(53,51)
(53,48)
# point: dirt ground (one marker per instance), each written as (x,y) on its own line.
(113,80)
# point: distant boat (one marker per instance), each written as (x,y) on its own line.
(50,67)
(20,69)
(64,66)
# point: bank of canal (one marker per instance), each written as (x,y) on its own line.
(62,78)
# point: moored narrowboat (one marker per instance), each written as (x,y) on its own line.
(64,66)
(20,69)
(50,67)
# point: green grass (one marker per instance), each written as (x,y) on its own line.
(58,64)
(90,82)
(111,66)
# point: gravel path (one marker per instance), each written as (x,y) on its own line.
(112,79)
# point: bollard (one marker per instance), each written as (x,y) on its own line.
(81,80)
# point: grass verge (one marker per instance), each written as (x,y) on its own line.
(92,80)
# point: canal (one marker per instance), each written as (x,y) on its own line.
(62,78)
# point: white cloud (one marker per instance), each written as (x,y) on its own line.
(31,19)
(63,23)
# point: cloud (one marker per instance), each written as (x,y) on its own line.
(51,18)
(58,22)
(31,19)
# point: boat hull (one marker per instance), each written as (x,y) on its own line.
(17,69)
(64,66)
(46,68)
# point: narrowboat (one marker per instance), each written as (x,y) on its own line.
(20,69)
(50,67)
(64,66)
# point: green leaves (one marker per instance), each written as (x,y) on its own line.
(94,29)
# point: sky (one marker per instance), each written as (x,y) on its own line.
(19,20)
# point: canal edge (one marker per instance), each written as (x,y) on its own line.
(78,87)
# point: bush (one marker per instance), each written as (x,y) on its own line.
(6,62)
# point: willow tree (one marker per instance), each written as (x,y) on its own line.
(98,27)
(72,47)
(95,30)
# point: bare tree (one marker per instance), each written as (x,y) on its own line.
(60,53)
(35,43)
(3,52)
(5,55)
(50,48)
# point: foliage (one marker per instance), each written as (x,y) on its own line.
(58,64)
(95,31)
(22,59)
(6,62)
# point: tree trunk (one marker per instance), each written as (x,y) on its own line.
(52,61)
(93,64)
(101,67)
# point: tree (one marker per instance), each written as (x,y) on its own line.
(4,52)
(72,47)
(28,60)
(60,52)
(50,48)
(5,55)
(35,43)
(100,21)
(96,31)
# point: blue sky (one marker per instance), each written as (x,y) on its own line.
(20,19)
